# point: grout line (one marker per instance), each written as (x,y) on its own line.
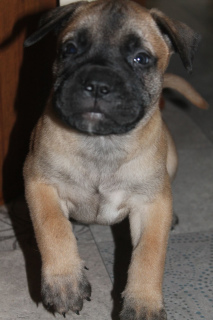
(101,254)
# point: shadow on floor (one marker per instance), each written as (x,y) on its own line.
(122,257)
(24,233)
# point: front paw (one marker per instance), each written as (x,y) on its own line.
(134,311)
(64,292)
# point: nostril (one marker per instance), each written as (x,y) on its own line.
(89,87)
(104,89)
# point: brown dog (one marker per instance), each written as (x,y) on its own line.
(101,151)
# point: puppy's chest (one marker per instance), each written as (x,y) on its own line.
(102,192)
(94,193)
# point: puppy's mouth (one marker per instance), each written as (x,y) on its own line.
(98,123)
(93,122)
(93,116)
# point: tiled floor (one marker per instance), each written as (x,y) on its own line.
(188,281)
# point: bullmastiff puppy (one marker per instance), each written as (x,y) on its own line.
(101,152)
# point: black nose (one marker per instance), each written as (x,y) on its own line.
(97,82)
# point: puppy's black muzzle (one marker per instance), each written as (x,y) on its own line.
(97,100)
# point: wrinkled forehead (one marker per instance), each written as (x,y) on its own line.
(111,22)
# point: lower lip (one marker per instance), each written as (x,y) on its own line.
(93,116)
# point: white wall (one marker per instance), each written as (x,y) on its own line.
(63,2)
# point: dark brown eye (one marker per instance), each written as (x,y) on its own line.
(70,49)
(142,58)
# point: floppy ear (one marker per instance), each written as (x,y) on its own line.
(53,20)
(183,39)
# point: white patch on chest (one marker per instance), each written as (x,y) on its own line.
(113,207)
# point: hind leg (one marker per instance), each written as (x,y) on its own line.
(175,220)
(172,157)
(172,164)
